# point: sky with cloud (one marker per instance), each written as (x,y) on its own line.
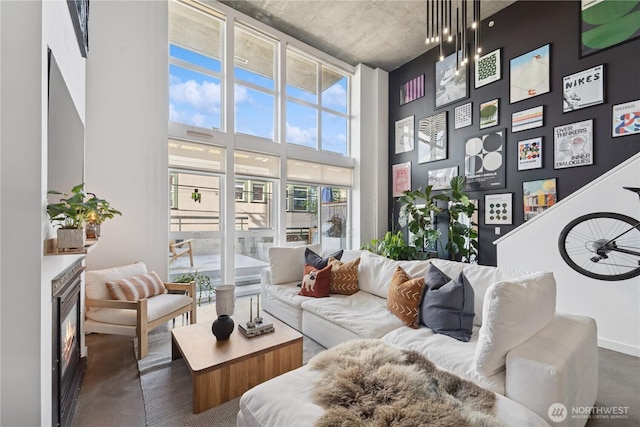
(195,99)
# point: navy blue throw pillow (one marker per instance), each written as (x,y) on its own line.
(312,258)
(448,308)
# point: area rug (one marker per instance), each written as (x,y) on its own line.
(167,389)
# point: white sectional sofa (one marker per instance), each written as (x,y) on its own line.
(521,349)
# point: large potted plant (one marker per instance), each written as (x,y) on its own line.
(70,215)
(101,212)
(417,214)
(462,244)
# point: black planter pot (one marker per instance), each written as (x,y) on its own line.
(222,327)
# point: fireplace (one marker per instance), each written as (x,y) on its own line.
(68,365)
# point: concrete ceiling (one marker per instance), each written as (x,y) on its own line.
(379,33)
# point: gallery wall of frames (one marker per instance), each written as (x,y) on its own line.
(535,118)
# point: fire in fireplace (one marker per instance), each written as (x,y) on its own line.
(68,365)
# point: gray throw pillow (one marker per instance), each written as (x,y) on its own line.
(447,305)
(315,260)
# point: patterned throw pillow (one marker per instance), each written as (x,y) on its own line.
(136,288)
(316,283)
(344,276)
(404,297)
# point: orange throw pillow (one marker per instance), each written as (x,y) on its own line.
(404,297)
(316,283)
(344,276)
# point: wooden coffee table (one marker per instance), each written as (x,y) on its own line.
(224,370)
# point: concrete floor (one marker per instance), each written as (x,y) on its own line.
(111,394)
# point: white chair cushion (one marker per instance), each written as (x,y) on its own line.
(361,313)
(375,272)
(513,312)
(96,280)
(157,306)
(287,263)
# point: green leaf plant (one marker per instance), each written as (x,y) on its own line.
(462,244)
(71,212)
(417,214)
(203,283)
(393,246)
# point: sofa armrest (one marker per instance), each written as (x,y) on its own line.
(265,276)
(557,365)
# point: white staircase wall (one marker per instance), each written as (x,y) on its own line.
(534,246)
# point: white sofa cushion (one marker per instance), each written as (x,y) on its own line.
(375,272)
(513,312)
(447,353)
(480,278)
(157,307)
(361,313)
(288,293)
(96,280)
(287,264)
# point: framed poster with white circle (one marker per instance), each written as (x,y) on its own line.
(484,161)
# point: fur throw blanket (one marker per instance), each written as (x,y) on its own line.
(371,383)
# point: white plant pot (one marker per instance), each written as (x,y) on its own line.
(71,239)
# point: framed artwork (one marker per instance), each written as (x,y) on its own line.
(530,154)
(432,138)
(498,208)
(573,145)
(79,10)
(463,115)
(529,74)
(404,135)
(583,89)
(488,69)
(489,114)
(440,179)
(450,87)
(484,162)
(538,196)
(607,23)
(412,90)
(401,178)
(626,119)
(527,119)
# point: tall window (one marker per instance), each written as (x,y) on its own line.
(317,105)
(195,63)
(254,58)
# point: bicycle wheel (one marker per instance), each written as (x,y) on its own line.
(602,245)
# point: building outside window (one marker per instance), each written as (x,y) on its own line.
(311,111)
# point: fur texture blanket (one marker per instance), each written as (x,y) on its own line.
(371,383)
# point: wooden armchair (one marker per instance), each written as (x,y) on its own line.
(133,318)
(177,250)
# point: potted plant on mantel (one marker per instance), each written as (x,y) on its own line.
(70,215)
(102,212)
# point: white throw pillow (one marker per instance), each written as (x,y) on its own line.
(287,263)
(513,312)
(96,280)
(481,277)
(375,272)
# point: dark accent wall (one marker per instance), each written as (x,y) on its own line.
(518,29)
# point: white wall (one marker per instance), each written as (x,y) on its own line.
(127,113)
(369,130)
(27,30)
(534,246)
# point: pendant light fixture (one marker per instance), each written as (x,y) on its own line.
(440,29)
